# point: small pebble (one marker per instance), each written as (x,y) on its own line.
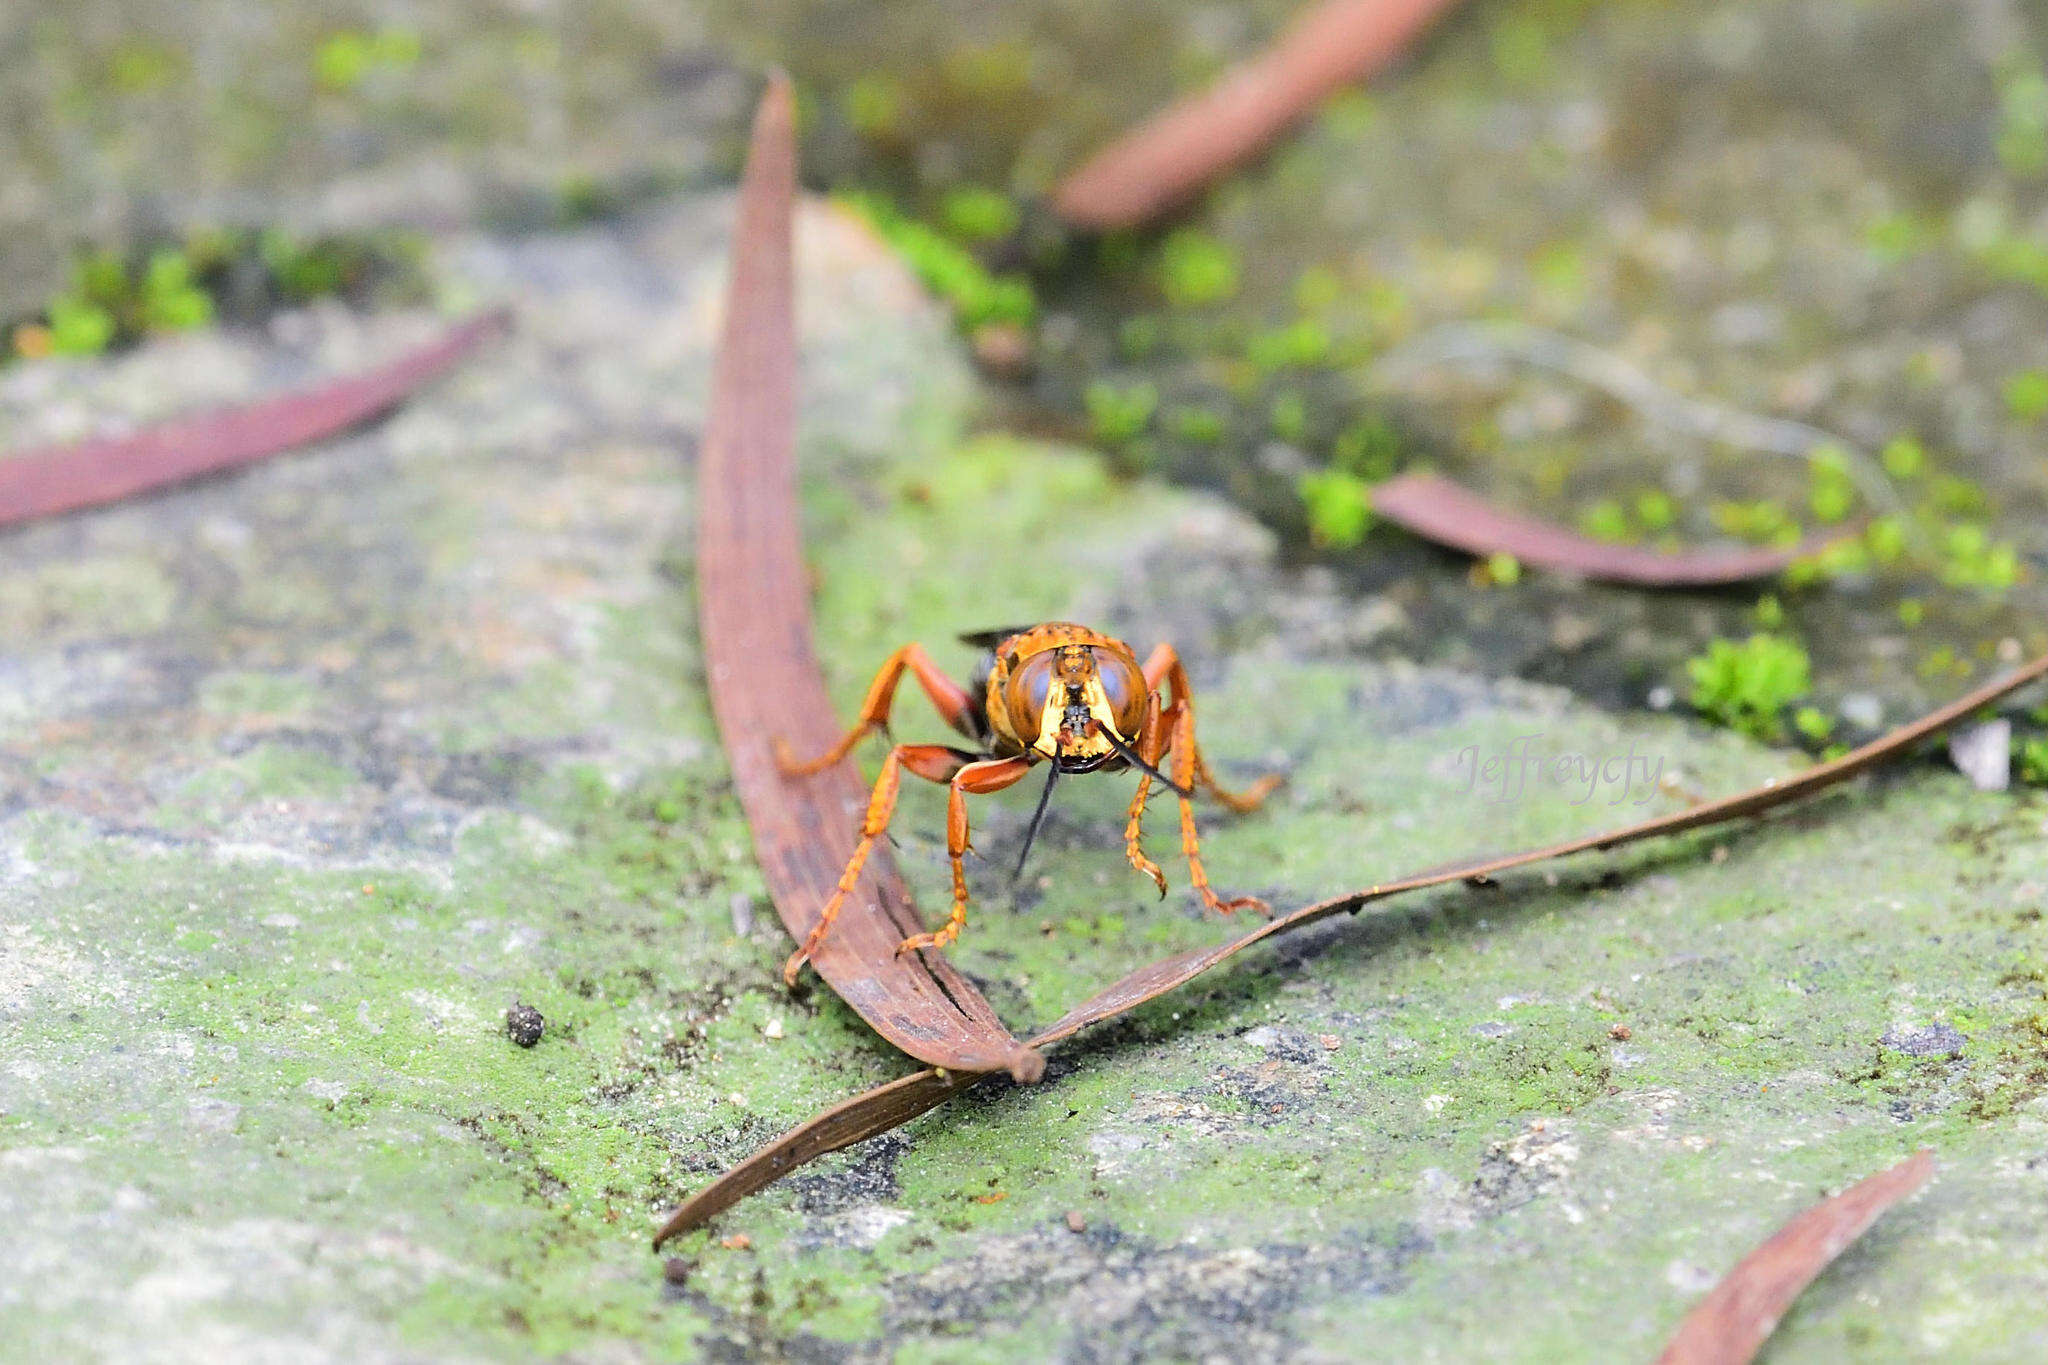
(1003,350)
(1621,1033)
(1863,711)
(1330,1041)
(772,1029)
(1983,753)
(739,1241)
(1075,1221)
(524,1024)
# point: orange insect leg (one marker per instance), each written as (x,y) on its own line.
(947,696)
(1185,764)
(1151,748)
(991,775)
(1164,668)
(934,763)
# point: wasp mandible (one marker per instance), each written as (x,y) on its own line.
(1054,693)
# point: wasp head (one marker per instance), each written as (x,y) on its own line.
(1072,703)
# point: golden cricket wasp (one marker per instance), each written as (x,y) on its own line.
(1054,693)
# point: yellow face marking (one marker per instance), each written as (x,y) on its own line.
(1076,745)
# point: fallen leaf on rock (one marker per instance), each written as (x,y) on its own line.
(1732,1322)
(1449,514)
(765,681)
(896,1103)
(1172,155)
(42,483)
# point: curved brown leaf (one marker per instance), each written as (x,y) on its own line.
(1449,514)
(1732,1322)
(764,676)
(1175,153)
(864,1116)
(899,1101)
(42,483)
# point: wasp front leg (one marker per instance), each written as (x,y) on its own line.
(1185,765)
(1152,737)
(1164,669)
(934,763)
(947,696)
(991,775)
(1174,727)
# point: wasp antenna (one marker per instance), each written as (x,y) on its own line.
(1130,755)
(1052,775)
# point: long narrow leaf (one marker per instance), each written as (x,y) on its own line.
(1172,155)
(1730,1325)
(43,483)
(896,1103)
(765,681)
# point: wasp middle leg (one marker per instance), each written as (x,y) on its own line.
(1186,763)
(948,697)
(1151,747)
(932,762)
(990,775)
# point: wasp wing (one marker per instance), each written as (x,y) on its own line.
(989,639)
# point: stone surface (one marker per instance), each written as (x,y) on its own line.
(1827,216)
(125,121)
(309,774)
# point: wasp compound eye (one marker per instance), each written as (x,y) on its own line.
(1030,688)
(1123,687)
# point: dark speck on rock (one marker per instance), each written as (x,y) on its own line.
(524,1024)
(869,1179)
(1935,1040)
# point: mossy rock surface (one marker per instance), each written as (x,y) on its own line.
(312,772)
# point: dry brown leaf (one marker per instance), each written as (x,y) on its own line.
(42,483)
(1437,509)
(1737,1316)
(1173,154)
(891,1105)
(763,669)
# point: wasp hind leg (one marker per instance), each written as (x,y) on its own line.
(1243,802)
